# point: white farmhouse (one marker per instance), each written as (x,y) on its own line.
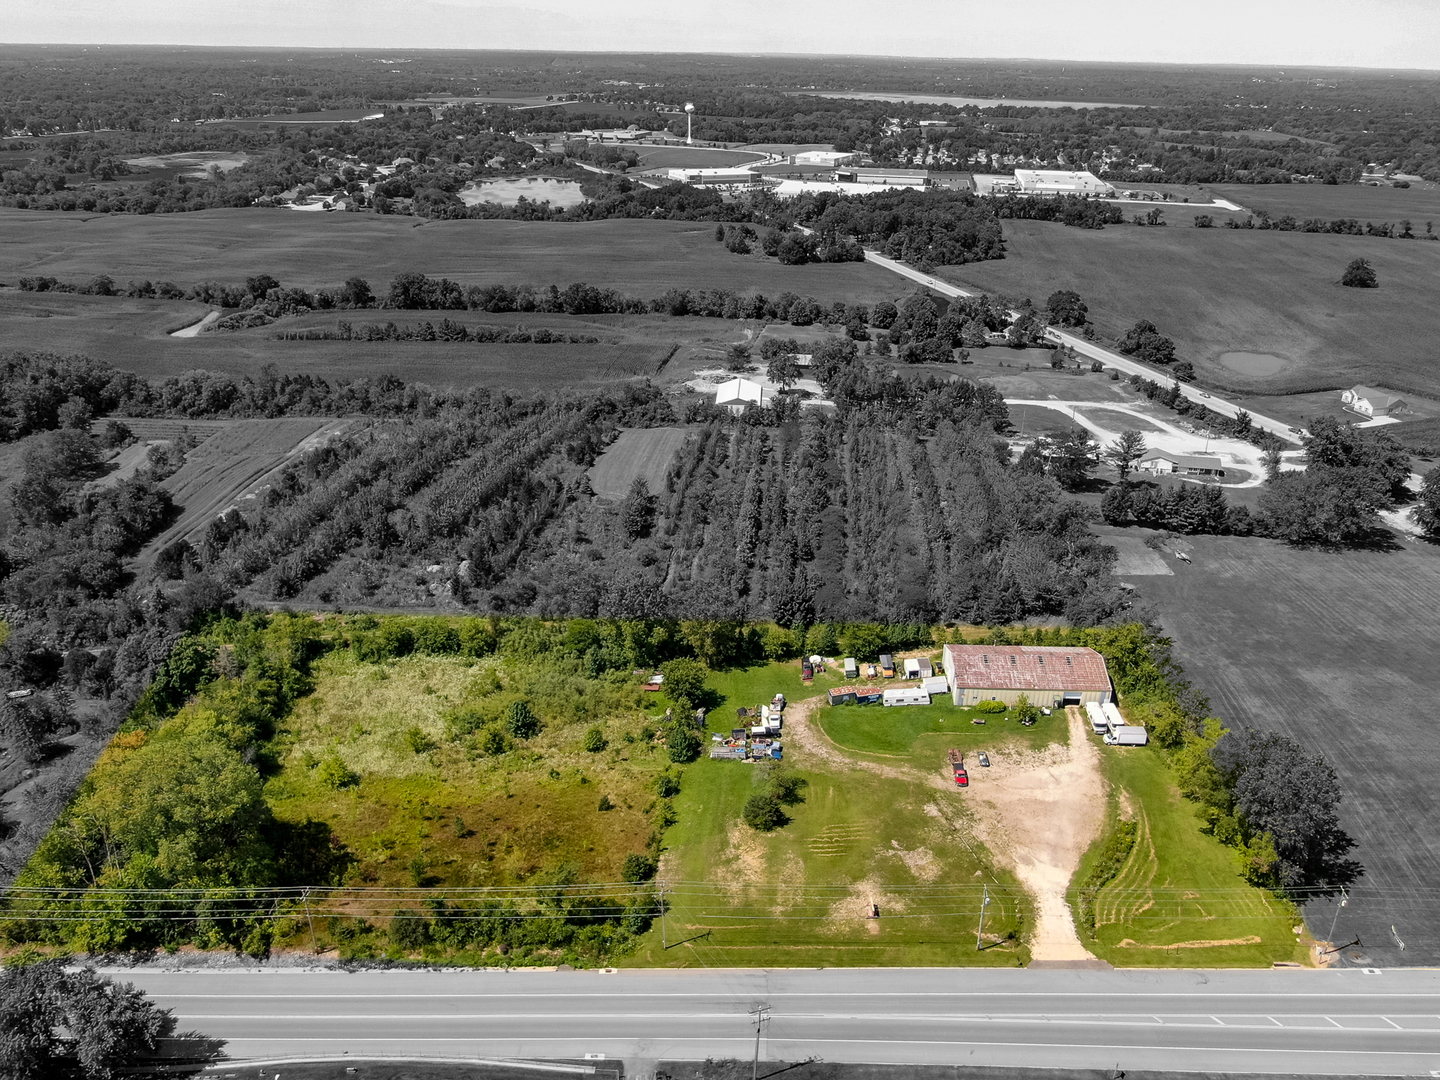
(1370,402)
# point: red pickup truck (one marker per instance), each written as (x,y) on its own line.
(957,768)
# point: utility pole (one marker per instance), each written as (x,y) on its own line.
(980,932)
(761,1012)
(664,939)
(1344,902)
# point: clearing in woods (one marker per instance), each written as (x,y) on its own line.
(1263,292)
(643,452)
(233,464)
(1337,651)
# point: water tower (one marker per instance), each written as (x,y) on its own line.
(689,115)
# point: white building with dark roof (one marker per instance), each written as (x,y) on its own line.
(1046,675)
(1162,462)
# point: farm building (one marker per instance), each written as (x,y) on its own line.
(1162,461)
(1370,402)
(890,177)
(1046,675)
(826,159)
(713,177)
(1057,182)
(735,394)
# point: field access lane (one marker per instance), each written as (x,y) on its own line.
(1263,1021)
(1108,357)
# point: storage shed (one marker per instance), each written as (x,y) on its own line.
(1046,675)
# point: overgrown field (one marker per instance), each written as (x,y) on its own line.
(1218,290)
(1338,652)
(637,257)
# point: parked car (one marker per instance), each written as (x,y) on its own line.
(984,759)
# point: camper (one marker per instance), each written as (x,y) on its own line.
(906,695)
(1099,723)
(852,669)
(887,666)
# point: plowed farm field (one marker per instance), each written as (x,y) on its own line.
(232,465)
(1339,652)
(645,452)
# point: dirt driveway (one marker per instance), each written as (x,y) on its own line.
(1037,811)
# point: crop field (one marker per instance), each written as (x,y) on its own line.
(1216,291)
(698,157)
(642,452)
(643,258)
(233,464)
(134,335)
(1338,652)
(1418,203)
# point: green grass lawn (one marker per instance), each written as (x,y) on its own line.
(920,734)
(798,896)
(1179,900)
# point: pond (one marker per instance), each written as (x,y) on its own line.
(508,192)
(1257,365)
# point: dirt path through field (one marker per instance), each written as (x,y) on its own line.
(1037,811)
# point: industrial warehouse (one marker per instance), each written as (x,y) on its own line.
(1045,675)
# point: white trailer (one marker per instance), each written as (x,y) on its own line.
(1112,714)
(935,685)
(905,695)
(1098,722)
(1129,735)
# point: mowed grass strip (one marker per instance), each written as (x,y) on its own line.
(1217,290)
(642,258)
(641,452)
(1179,900)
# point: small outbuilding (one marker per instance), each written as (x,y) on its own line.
(1046,675)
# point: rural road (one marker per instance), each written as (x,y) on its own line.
(1316,1022)
(1108,357)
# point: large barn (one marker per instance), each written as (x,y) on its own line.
(1047,675)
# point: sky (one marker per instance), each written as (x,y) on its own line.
(1332,33)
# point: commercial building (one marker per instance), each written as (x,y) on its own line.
(883,177)
(1057,182)
(1046,675)
(735,394)
(825,159)
(1162,462)
(1370,402)
(713,177)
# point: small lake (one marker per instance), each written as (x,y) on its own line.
(508,192)
(980,103)
(1255,364)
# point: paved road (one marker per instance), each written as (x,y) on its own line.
(1108,357)
(1337,1022)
